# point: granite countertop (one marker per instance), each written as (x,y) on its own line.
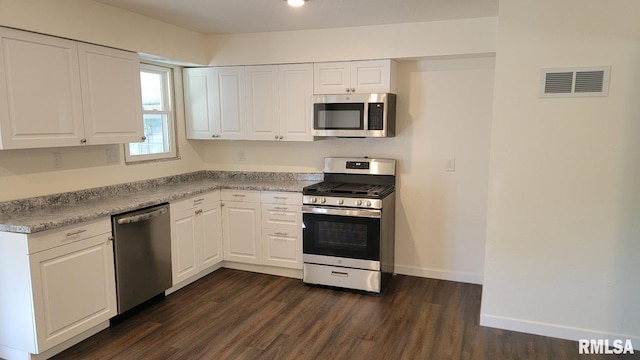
(53,211)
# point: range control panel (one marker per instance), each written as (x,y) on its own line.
(363,165)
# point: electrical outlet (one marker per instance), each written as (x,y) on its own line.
(113,155)
(241,155)
(56,160)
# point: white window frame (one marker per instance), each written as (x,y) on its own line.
(168,98)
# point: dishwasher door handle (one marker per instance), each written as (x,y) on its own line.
(141,217)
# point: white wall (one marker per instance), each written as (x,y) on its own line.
(563,230)
(26,173)
(444,110)
(413,40)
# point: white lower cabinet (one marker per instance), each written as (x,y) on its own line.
(56,285)
(196,235)
(241,226)
(262,228)
(282,229)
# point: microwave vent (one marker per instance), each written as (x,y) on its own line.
(575,82)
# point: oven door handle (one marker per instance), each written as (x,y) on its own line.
(341,211)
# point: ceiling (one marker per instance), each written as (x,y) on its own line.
(248,16)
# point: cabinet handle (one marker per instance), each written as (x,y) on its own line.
(280,234)
(77,232)
(238,195)
(199,211)
(279,208)
(280,197)
(83,141)
(198,200)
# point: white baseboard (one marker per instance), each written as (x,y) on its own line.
(458,276)
(552,330)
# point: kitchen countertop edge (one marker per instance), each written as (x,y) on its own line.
(58,215)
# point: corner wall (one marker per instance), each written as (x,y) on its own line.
(563,229)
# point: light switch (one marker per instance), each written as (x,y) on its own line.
(451,164)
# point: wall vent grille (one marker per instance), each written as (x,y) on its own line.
(575,82)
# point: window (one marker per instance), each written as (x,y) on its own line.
(157,117)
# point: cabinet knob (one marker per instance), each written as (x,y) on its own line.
(83,141)
(280,137)
(276,137)
(347,90)
(144,138)
(353,90)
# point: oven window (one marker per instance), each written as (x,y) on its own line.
(342,236)
(339,116)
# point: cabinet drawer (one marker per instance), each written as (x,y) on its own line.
(53,238)
(284,198)
(281,216)
(240,195)
(196,201)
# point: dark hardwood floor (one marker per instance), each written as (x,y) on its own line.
(232,314)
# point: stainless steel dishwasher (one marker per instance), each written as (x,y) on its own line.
(142,252)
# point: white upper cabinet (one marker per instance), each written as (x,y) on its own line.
(200,92)
(295,88)
(279,102)
(40,103)
(348,77)
(214,102)
(111,96)
(57,92)
(263,120)
(262,102)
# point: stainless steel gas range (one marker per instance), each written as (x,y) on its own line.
(349,224)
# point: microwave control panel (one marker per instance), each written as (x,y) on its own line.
(376,111)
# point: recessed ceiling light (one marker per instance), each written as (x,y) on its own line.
(296,3)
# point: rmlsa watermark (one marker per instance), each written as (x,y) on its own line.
(604,346)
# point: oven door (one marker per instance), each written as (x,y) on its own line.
(351,234)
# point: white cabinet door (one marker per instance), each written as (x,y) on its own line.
(73,289)
(40,96)
(263,121)
(231,90)
(201,103)
(241,227)
(210,225)
(295,91)
(282,248)
(332,78)
(282,234)
(184,252)
(196,235)
(56,92)
(367,76)
(373,76)
(111,95)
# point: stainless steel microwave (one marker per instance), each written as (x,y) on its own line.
(354,115)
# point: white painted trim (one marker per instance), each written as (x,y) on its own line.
(552,330)
(459,276)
